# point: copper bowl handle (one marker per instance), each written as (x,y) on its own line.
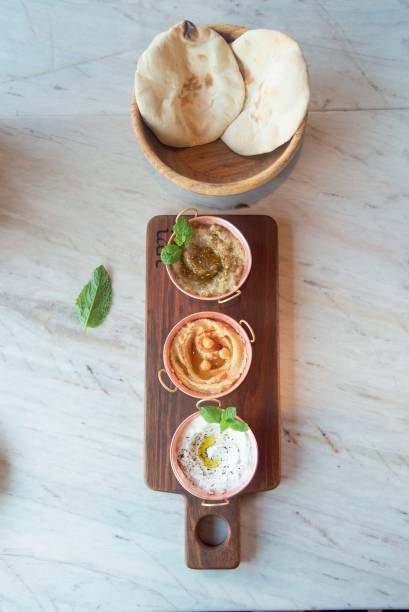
(222,503)
(212,399)
(250,329)
(164,385)
(230,297)
(182,212)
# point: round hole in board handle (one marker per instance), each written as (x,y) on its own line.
(212,530)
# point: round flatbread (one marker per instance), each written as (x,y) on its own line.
(188,85)
(277,92)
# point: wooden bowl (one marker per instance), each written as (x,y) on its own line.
(213,169)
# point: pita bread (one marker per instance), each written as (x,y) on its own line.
(188,85)
(277,92)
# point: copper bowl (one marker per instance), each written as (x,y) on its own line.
(196,491)
(218,316)
(210,220)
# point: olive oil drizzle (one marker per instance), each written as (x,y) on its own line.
(201,263)
(202,453)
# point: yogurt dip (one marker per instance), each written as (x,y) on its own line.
(212,461)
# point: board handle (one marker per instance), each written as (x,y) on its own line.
(203,556)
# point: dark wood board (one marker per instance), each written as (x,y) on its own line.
(256,398)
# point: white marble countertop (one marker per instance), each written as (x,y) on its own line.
(78,528)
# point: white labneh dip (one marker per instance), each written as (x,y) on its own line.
(213,461)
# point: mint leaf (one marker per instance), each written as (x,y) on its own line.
(225,424)
(211,414)
(239,425)
(170,254)
(183,232)
(226,418)
(229,413)
(94,301)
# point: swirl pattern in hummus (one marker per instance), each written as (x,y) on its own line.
(207,356)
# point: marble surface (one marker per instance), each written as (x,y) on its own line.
(78,528)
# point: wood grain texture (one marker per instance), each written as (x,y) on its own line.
(257,397)
(201,556)
(213,169)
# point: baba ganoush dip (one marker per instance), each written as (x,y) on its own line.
(212,264)
(207,355)
(215,462)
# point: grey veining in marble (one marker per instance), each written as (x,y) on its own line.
(78,528)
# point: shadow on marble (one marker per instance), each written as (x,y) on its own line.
(4,472)
(287,350)
(287,383)
(248,527)
(12,160)
(223,202)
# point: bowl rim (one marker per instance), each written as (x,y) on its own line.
(193,489)
(208,187)
(208,220)
(218,316)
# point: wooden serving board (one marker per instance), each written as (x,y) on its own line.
(256,398)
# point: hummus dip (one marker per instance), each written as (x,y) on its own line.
(213,461)
(208,356)
(212,264)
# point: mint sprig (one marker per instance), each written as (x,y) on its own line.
(226,418)
(172,252)
(94,301)
(183,232)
